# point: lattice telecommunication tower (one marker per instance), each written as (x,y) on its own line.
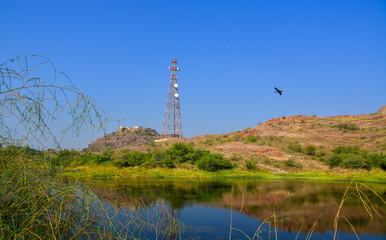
(172,126)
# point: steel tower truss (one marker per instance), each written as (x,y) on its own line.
(172,126)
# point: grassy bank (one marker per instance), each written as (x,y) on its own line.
(109,171)
(184,161)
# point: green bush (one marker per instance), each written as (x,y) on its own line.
(322,154)
(310,150)
(334,161)
(347,126)
(375,159)
(178,152)
(129,159)
(136,158)
(149,164)
(292,163)
(213,162)
(102,158)
(296,147)
(250,165)
(87,157)
(352,126)
(382,163)
(194,156)
(346,149)
(168,162)
(64,158)
(237,137)
(361,157)
(251,139)
(353,162)
(55,161)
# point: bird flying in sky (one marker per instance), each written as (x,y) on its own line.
(278,91)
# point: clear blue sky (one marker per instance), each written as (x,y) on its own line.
(328,57)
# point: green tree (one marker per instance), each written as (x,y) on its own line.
(213,162)
(353,162)
(179,151)
(334,161)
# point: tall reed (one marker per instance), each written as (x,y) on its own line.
(37,203)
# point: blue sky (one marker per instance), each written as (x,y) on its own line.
(328,57)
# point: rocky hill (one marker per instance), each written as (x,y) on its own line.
(124,138)
(307,140)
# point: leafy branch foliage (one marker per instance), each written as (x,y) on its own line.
(33,96)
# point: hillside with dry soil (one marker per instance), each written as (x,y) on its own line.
(280,145)
(307,140)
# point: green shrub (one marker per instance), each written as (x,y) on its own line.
(251,139)
(250,165)
(382,163)
(334,161)
(120,164)
(213,162)
(322,159)
(64,158)
(209,142)
(292,163)
(120,155)
(136,158)
(149,164)
(310,150)
(375,159)
(55,161)
(346,149)
(108,152)
(237,137)
(129,159)
(296,147)
(102,158)
(346,126)
(353,162)
(354,157)
(168,162)
(322,154)
(194,156)
(352,126)
(178,152)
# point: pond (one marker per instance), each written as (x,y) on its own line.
(220,209)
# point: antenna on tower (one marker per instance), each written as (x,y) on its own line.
(172,126)
(118,121)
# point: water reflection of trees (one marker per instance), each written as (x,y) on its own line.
(299,202)
(177,194)
(302,203)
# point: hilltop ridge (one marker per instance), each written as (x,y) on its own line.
(125,137)
(382,110)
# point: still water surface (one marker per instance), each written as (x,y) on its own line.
(214,209)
